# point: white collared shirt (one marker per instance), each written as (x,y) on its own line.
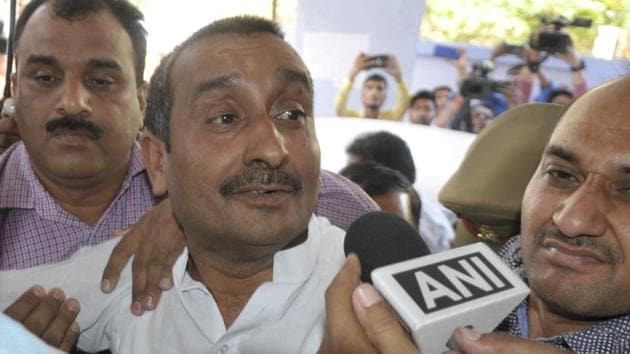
(283,316)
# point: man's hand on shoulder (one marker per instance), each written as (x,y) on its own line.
(49,316)
(157,241)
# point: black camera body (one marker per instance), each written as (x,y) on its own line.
(555,40)
(478,85)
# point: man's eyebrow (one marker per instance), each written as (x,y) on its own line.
(42,59)
(294,76)
(560,152)
(222,82)
(105,63)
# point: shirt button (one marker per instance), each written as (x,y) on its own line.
(224,349)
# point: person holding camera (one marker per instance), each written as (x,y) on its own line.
(550,91)
(374,91)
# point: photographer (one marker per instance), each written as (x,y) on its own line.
(551,91)
(489,95)
(374,89)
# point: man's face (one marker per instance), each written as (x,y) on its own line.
(374,92)
(78,105)
(422,111)
(243,172)
(576,210)
(480,117)
(441,98)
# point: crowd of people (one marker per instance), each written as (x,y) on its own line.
(471,106)
(211,177)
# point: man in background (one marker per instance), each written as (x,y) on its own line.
(374,90)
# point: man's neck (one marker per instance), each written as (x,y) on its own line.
(371,112)
(543,322)
(231,283)
(87,199)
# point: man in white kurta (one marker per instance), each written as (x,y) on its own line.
(285,315)
(231,138)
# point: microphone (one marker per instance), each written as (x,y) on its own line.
(433,293)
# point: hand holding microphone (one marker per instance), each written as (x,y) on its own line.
(434,294)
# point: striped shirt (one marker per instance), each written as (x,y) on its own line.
(35,230)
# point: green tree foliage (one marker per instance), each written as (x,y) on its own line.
(488,22)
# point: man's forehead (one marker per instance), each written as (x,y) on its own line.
(223,54)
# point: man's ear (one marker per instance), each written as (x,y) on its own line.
(142,95)
(154,158)
(13,84)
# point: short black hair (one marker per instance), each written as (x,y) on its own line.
(422,94)
(561,91)
(441,88)
(160,95)
(376,179)
(75,10)
(375,77)
(387,149)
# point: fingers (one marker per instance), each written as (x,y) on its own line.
(162,241)
(118,260)
(43,314)
(343,332)
(139,268)
(379,322)
(63,330)
(471,342)
(48,316)
(70,338)
(26,303)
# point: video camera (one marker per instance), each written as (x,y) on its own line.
(555,40)
(478,85)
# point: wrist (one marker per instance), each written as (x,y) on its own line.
(579,66)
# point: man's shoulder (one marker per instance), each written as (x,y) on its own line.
(15,179)
(341,200)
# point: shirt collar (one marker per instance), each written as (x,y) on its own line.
(21,189)
(293,265)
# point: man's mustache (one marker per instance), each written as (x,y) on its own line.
(588,242)
(260,176)
(74,122)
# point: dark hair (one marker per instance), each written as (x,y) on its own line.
(387,149)
(75,10)
(376,179)
(422,94)
(442,87)
(376,77)
(561,91)
(160,95)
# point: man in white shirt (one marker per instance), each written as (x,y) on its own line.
(232,140)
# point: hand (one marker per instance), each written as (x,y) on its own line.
(48,316)
(461,63)
(361,62)
(357,319)
(393,68)
(569,57)
(471,342)
(157,242)
(498,50)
